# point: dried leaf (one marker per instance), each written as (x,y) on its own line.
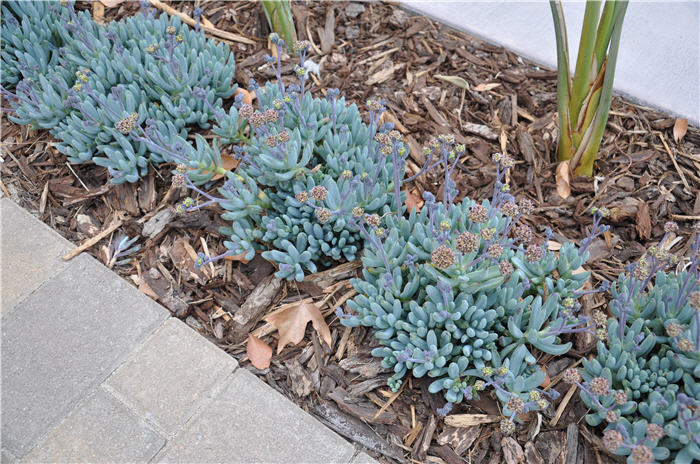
(563,178)
(240,258)
(111,3)
(291,324)
(486,87)
(553,246)
(258,352)
(247,96)
(679,129)
(546,382)
(454,80)
(413,201)
(643,221)
(227,162)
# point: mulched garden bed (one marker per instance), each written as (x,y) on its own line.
(380,50)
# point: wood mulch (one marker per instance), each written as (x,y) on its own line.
(642,175)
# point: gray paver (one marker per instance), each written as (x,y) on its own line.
(659,65)
(363,458)
(6,457)
(102,429)
(30,252)
(249,422)
(167,376)
(62,341)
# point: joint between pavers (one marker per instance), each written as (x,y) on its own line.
(202,404)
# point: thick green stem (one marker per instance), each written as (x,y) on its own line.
(565,149)
(585,155)
(582,74)
(279,17)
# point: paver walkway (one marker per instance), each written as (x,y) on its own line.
(95,371)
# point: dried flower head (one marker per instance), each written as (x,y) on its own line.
(654,432)
(534,253)
(674,329)
(510,209)
(507,427)
(572,376)
(503,370)
(620,397)
(506,268)
(181,168)
(179,180)
(442,257)
(478,214)
(283,137)
(179,38)
(612,416)
(612,440)
(127,124)
(246,111)
(170,30)
(599,386)
(347,174)
(271,141)
(495,250)
(486,371)
(526,206)
(642,454)
(302,196)
(523,233)
(671,226)
(488,233)
(467,242)
(534,395)
(319,193)
(358,211)
(542,403)
(323,215)
(257,119)
(373,220)
(599,318)
(516,404)
(686,345)
(695,300)
(479,385)
(271,115)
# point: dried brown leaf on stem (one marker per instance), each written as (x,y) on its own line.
(291,324)
(563,178)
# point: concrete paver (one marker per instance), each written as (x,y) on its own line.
(249,422)
(167,376)
(62,341)
(28,258)
(363,458)
(102,429)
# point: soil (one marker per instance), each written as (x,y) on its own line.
(642,174)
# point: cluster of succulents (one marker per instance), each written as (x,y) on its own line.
(462,293)
(91,84)
(304,162)
(644,383)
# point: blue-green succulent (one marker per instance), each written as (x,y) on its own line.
(90,79)
(644,382)
(304,161)
(462,294)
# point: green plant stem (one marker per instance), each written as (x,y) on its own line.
(563,81)
(583,159)
(582,74)
(279,17)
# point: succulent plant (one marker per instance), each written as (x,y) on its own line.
(163,71)
(649,359)
(460,292)
(305,160)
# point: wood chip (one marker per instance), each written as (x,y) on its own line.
(470,420)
